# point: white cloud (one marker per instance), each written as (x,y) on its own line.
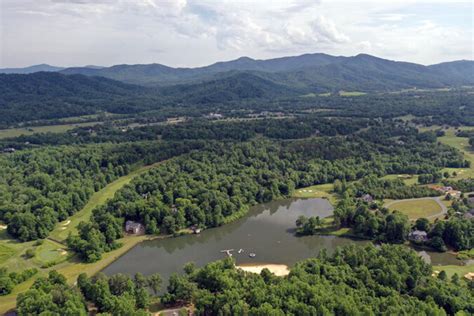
(198,32)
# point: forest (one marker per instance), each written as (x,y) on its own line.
(42,186)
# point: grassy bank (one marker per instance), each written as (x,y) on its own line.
(324,191)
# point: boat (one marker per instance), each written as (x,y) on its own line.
(252,255)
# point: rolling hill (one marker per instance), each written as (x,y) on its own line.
(308,73)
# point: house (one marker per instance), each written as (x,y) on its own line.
(418,236)
(132,227)
(367,198)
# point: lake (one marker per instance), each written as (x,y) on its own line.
(267,230)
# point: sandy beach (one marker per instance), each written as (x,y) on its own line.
(277,269)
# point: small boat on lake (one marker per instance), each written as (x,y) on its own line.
(252,255)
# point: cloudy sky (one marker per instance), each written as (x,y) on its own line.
(200,32)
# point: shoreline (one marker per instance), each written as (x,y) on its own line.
(277,269)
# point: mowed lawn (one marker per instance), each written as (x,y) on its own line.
(317,191)
(15,132)
(408,179)
(415,209)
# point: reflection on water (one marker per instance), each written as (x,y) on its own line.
(267,231)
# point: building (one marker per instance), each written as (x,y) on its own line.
(132,227)
(367,198)
(418,236)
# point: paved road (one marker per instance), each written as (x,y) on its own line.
(437,199)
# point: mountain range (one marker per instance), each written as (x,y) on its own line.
(45,92)
(302,74)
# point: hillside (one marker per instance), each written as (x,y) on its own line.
(309,72)
(30,69)
(46,95)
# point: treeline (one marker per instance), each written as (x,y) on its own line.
(40,187)
(115,295)
(217,184)
(464,185)
(199,129)
(9,280)
(391,280)
(396,189)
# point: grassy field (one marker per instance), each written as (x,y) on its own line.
(461,143)
(49,253)
(452,269)
(415,209)
(15,132)
(317,191)
(407,178)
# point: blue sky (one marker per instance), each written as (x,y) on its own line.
(191,33)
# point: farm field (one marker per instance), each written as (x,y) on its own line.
(15,132)
(416,208)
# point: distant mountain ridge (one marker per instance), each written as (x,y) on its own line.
(31,69)
(308,72)
(320,72)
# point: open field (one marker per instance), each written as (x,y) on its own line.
(461,143)
(407,178)
(324,191)
(49,253)
(15,132)
(452,269)
(416,208)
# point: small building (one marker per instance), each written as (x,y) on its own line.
(367,198)
(418,236)
(132,227)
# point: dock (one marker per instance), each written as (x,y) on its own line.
(228,252)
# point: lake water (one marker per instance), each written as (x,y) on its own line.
(267,230)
